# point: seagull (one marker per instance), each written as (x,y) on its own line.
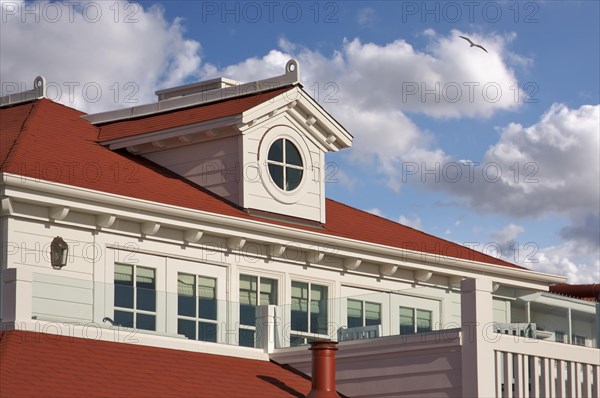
(473,44)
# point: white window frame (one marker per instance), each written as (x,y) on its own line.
(258,279)
(133,258)
(329,305)
(220,273)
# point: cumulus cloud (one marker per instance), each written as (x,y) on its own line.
(566,259)
(375,211)
(94,55)
(414,221)
(507,235)
(371,89)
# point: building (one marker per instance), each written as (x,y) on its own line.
(193,240)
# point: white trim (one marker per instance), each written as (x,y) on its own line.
(95,331)
(273,134)
(45,192)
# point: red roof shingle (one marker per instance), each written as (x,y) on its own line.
(48,141)
(36,364)
(177,118)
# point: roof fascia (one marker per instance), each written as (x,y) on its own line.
(144,138)
(35,190)
(329,132)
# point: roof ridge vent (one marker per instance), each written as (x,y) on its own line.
(200,93)
(38,91)
(194,88)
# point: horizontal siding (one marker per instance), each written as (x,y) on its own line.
(56,297)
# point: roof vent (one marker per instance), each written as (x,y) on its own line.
(323,369)
(195,88)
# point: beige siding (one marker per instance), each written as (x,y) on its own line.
(215,165)
(424,366)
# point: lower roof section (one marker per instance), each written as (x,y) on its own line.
(38,364)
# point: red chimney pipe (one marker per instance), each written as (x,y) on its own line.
(323,369)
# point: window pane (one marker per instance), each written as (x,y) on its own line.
(145,277)
(186,292)
(268,291)
(187,328)
(146,289)
(207,331)
(292,155)
(276,151)
(123,318)
(318,309)
(207,294)
(124,274)
(248,289)
(276,173)
(146,322)
(124,286)
(207,309)
(123,296)
(423,321)
(293,177)
(248,297)
(296,341)
(300,306)
(354,313)
(247,338)
(372,314)
(207,287)
(146,299)
(407,323)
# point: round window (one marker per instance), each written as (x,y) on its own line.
(285,164)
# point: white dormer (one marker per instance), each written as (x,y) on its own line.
(265,156)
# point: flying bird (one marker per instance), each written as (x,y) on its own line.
(473,44)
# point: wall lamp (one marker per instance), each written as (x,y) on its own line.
(59,252)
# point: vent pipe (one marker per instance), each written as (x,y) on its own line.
(323,369)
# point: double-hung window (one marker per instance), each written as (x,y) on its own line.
(413,320)
(254,290)
(309,312)
(197,307)
(363,313)
(135,297)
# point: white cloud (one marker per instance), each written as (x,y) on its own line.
(566,259)
(375,211)
(95,55)
(507,235)
(414,221)
(549,167)
(366,16)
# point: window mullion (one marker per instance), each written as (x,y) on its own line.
(283,150)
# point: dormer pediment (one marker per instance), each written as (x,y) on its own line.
(260,145)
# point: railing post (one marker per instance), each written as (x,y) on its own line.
(16,295)
(478,362)
(597,324)
(265,327)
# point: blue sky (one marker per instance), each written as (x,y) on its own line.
(532,147)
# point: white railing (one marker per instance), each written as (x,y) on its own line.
(534,368)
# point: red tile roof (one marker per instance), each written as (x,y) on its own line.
(44,365)
(589,292)
(182,117)
(49,141)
